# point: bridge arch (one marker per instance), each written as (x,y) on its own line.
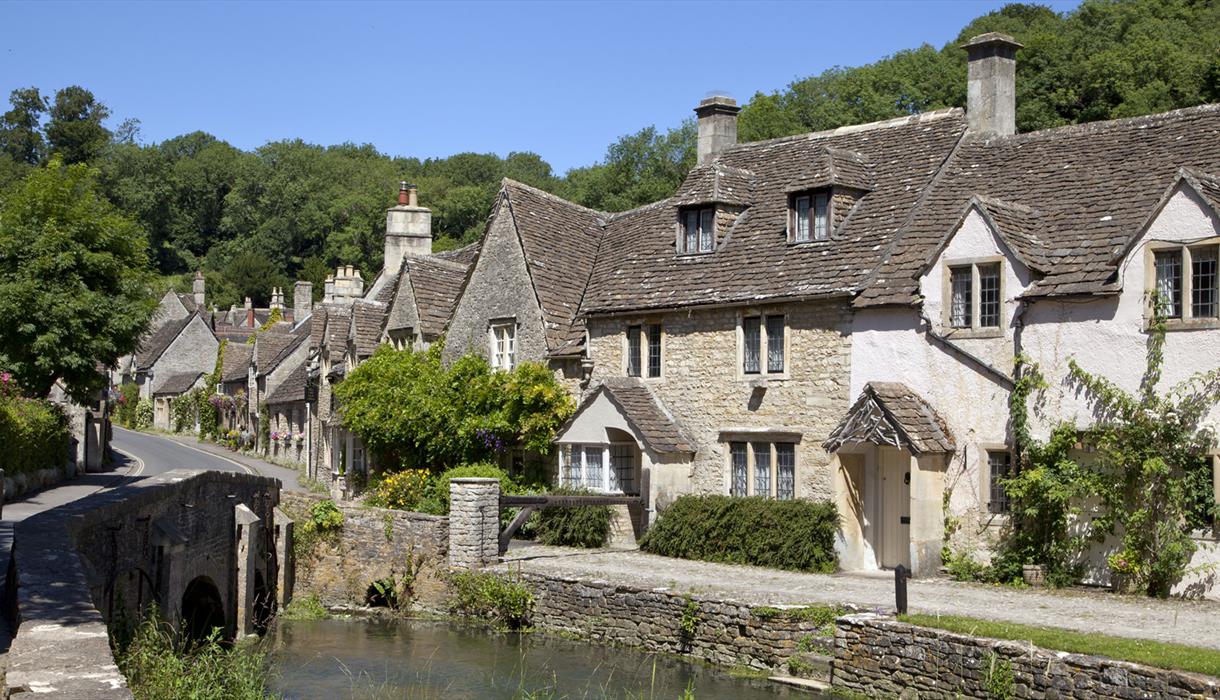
(202,609)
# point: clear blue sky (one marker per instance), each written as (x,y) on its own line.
(429,80)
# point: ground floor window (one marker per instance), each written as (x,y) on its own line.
(999,463)
(604,468)
(762,469)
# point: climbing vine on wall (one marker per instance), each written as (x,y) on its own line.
(209,411)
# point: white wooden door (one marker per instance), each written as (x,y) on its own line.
(895,507)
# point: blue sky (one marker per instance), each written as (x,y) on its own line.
(429,80)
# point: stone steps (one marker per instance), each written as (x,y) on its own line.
(811,666)
(622,529)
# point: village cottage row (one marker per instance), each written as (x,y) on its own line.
(833,315)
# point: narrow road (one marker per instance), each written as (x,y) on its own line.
(159,454)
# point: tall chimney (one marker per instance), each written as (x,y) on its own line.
(717,125)
(277,298)
(408,229)
(991,84)
(249,313)
(198,288)
(302,300)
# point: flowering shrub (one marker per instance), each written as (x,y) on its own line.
(403,490)
(144,414)
(222,402)
(125,405)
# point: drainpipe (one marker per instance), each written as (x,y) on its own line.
(1000,377)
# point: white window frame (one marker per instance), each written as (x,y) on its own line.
(811,233)
(1186,319)
(503,356)
(605,483)
(705,241)
(752,444)
(763,342)
(975,329)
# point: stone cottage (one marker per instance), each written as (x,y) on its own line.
(177,347)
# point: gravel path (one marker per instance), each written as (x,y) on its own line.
(1182,621)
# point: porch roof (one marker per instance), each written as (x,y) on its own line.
(891,413)
(643,413)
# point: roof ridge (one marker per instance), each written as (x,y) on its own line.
(508,181)
(920,117)
(643,207)
(443,262)
(1106,124)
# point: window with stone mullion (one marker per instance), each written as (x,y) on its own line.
(785,471)
(654,350)
(960,283)
(633,351)
(1168,265)
(740,468)
(1203,282)
(762,469)
(751,331)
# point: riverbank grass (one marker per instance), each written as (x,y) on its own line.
(1178,657)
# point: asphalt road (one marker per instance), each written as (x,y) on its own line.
(160,455)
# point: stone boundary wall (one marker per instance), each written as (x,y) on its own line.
(373,543)
(881,657)
(726,632)
(61,641)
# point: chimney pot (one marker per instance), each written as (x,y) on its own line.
(717,125)
(412,196)
(991,84)
(402,193)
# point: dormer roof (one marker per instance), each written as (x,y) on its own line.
(716,183)
(1015,224)
(833,167)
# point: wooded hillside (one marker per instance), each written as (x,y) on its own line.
(254,219)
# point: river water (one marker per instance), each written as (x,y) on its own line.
(422,660)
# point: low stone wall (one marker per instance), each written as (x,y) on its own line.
(373,544)
(881,657)
(720,631)
(20,485)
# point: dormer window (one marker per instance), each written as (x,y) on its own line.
(809,217)
(697,232)
(1185,282)
(975,296)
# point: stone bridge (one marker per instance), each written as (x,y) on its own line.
(210,549)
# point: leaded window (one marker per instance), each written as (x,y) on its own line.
(775,343)
(1203,278)
(762,468)
(633,350)
(999,465)
(740,469)
(757,333)
(1169,282)
(654,350)
(961,288)
(571,458)
(698,233)
(622,467)
(751,333)
(593,468)
(810,217)
(785,470)
(989,295)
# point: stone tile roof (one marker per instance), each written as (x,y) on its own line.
(367,321)
(465,255)
(891,413)
(236,363)
(832,166)
(637,266)
(718,183)
(1206,184)
(272,347)
(153,346)
(292,389)
(560,240)
(176,384)
(1094,185)
(433,284)
(188,300)
(337,326)
(317,326)
(644,412)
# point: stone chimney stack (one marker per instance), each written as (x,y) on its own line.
(991,84)
(302,300)
(717,126)
(345,287)
(408,229)
(277,298)
(198,288)
(249,313)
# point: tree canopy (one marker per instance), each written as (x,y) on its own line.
(74,281)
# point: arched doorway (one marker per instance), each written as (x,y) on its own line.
(202,609)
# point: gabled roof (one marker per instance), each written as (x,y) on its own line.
(466,255)
(716,183)
(236,363)
(832,166)
(433,285)
(1206,184)
(177,383)
(155,344)
(653,424)
(560,242)
(338,320)
(890,413)
(1015,224)
(366,323)
(292,389)
(1094,186)
(188,300)
(637,267)
(272,347)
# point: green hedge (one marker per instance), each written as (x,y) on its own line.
(584,526)
(34,433)
(793,535)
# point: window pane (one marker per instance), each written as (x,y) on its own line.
(959,282)
(593,468)
(633,351)
(654,350)
(1169,283)
(762,469)
(800,227)
(570,460)
(690,232)
(751,339)
(1203,294)
(707,231)
(1000,463)
(821,217)
(785,471)
(989,295)
(775,343)
(737,451)
(622,468)
(510,333)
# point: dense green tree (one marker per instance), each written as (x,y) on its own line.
(21,127)
(74,281)
(639,168)
(252,275)
(75,131)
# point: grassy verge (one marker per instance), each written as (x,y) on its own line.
(1141,651)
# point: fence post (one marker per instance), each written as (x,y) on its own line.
(474,522)
(901,574)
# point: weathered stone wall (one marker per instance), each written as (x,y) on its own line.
(474,522)
(372,544)
(724,632)
(703,386)
(880,657)
(194,350)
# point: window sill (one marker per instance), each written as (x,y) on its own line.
(1189,324)
(813,241)
(762,380)
(972,333)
